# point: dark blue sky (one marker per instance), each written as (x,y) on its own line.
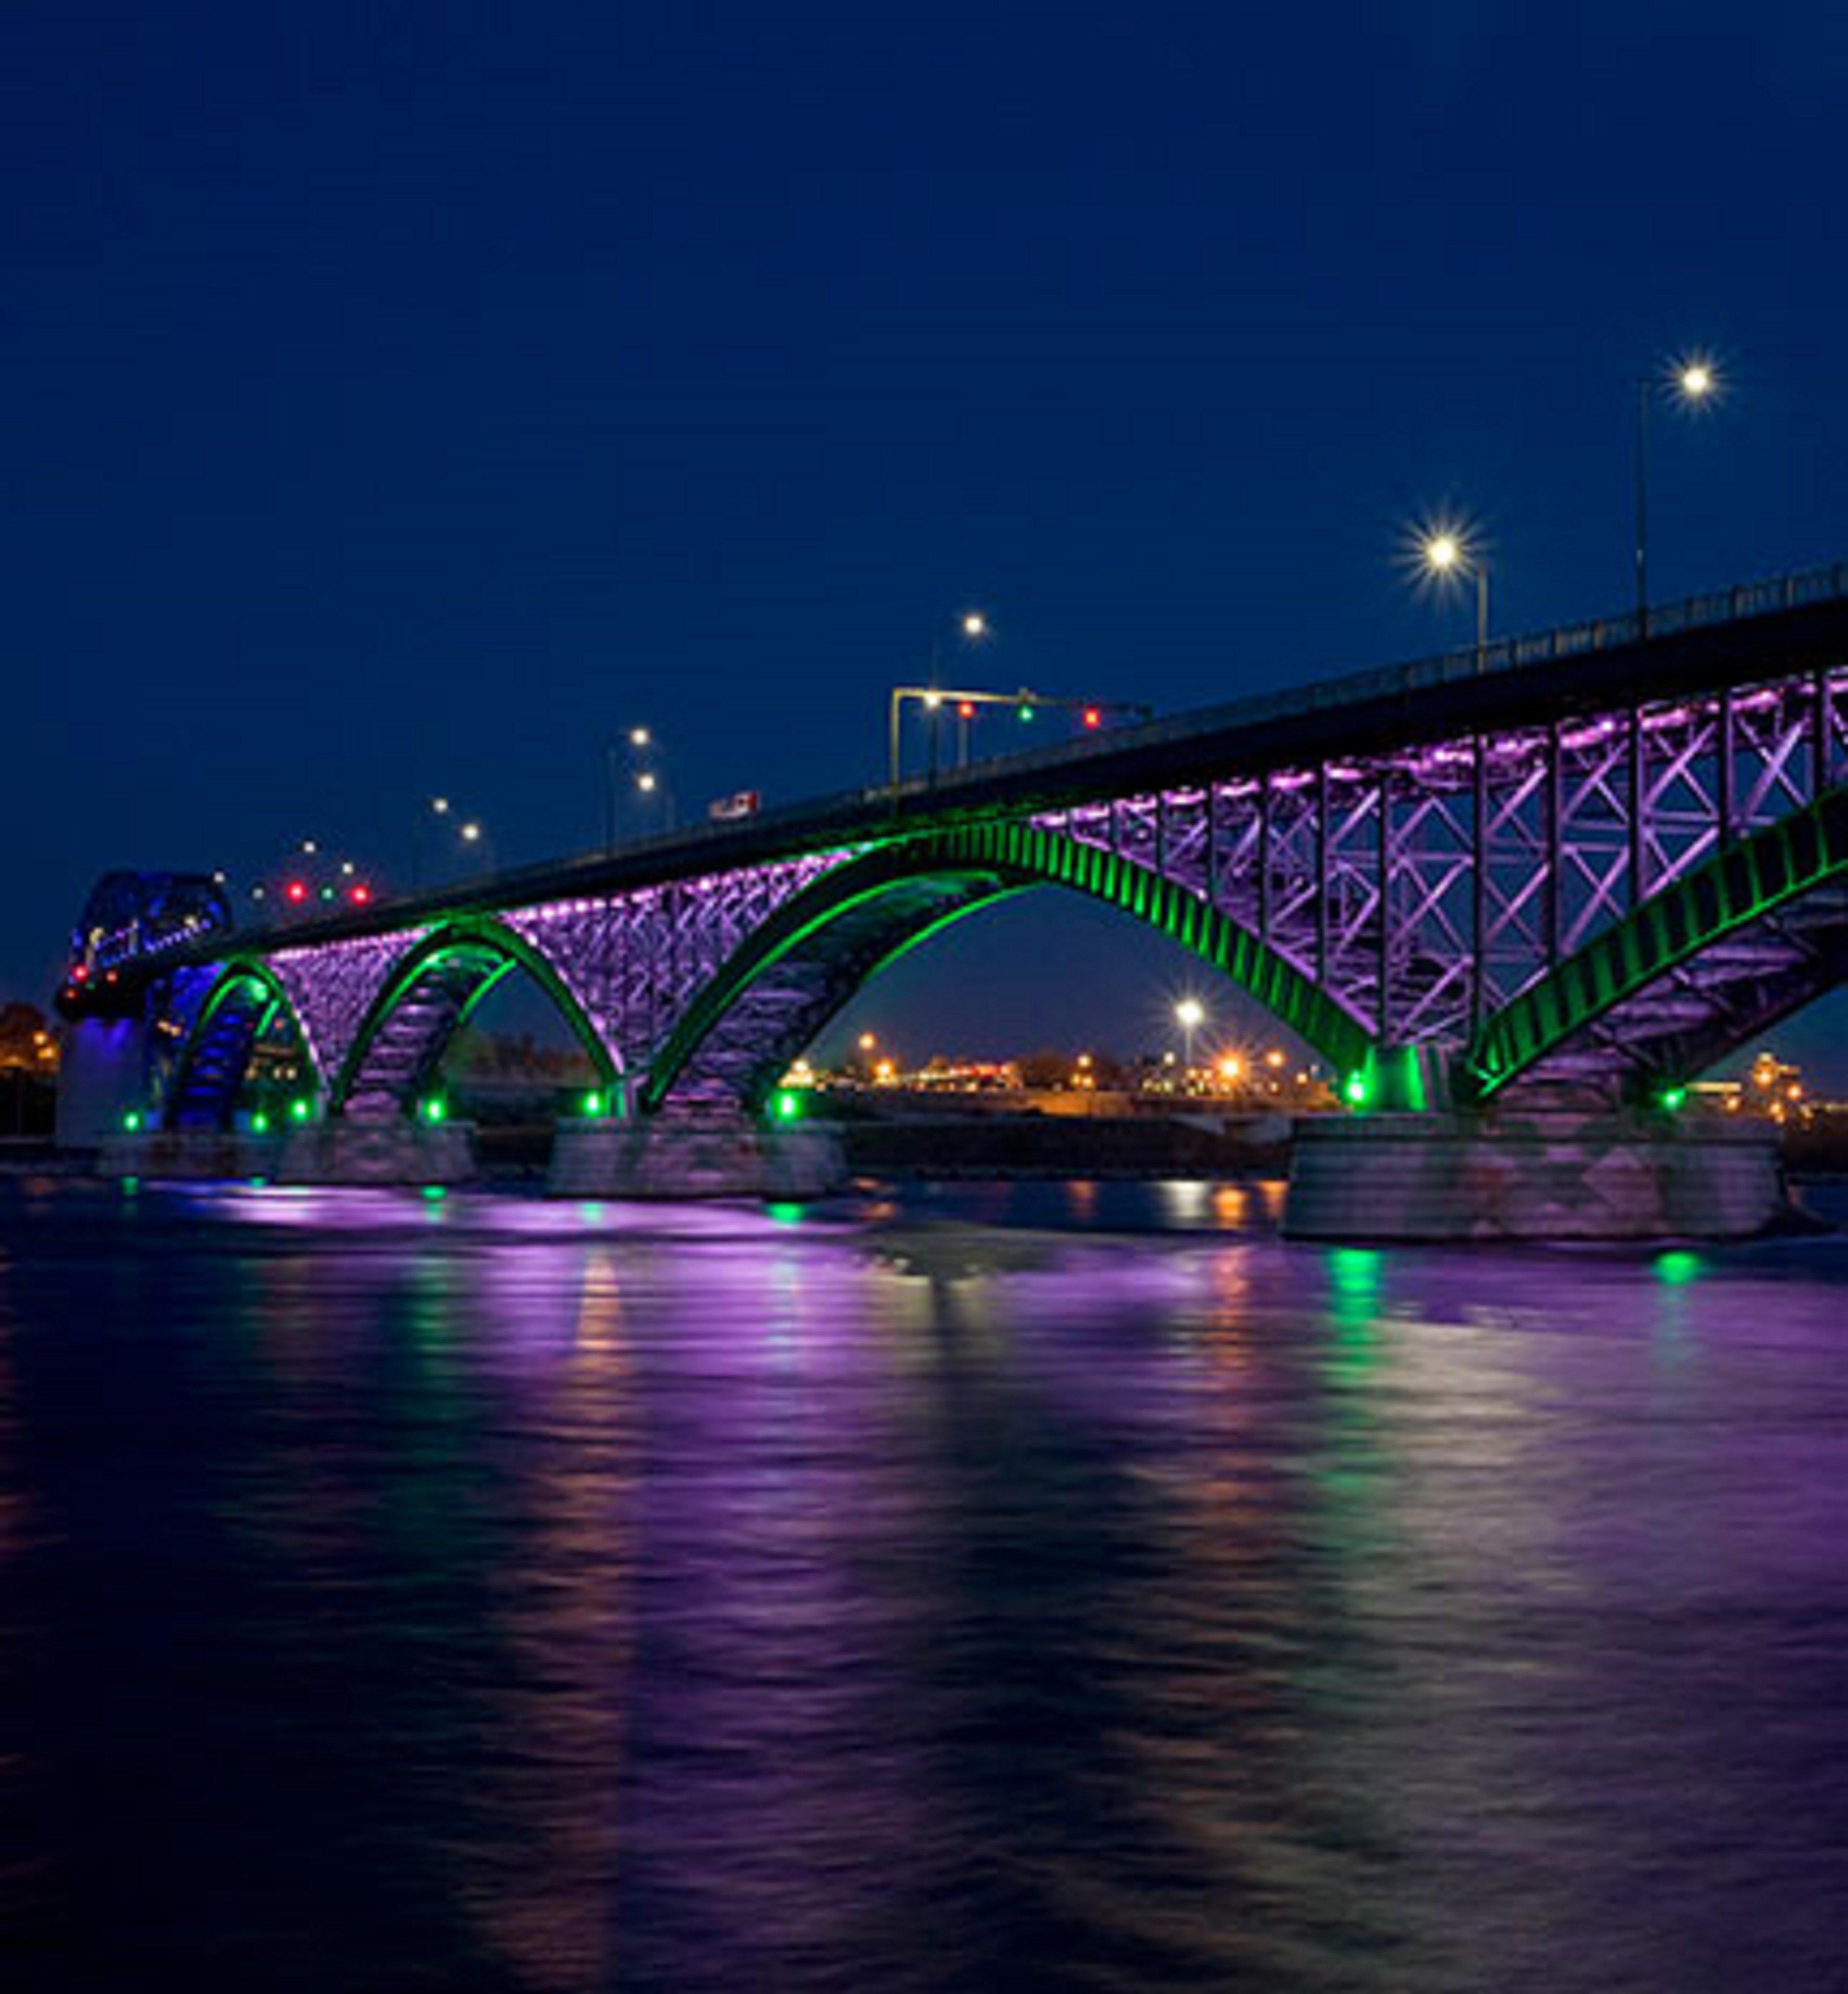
(400,399)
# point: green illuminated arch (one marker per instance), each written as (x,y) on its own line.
(239,977)
(1748,881)
(977,864)
(507,951)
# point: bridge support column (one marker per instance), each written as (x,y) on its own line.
(397,1151)
(1546,1174)
(102,1078)
(157,1154)
(691,1153)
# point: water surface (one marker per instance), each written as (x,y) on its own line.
(1011,1587)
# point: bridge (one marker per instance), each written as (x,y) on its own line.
(1561,874)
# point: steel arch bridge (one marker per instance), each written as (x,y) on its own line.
(1585,865)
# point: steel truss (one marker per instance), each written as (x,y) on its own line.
(1426,890)
(1423,890)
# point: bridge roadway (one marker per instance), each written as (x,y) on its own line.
(1573,868)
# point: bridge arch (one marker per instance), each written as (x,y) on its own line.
(784,983)
(426,999)
(1697,971)
(243,1002)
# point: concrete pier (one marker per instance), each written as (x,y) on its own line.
(691,1155)
(185,1153)
(102,1078)
(1547,1174)
(322,1152)
(398,1151)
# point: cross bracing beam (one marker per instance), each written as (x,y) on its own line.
(821,945)
(1715,958)
(244,1002)
(398,1044)
(1417,848)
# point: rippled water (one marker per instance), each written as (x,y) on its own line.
(1043,1587)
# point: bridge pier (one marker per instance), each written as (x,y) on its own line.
(102,1078)
(694,1153)
(397,1150)
(1545,1174)
(207,1154)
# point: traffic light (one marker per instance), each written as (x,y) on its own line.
(1093,716)
(965,709)
(296,892)
(360,893)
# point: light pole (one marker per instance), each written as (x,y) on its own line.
(1448,553)
(974,627)
(1689,383)
(439,807)
(1189,1014)
(647,779)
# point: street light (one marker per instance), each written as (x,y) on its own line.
(439,808)
(639,741)
(973,627)
(1189,1014)
(1688,383)
(1449,554)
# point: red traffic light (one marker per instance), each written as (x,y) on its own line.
(965,709)
(1093,716)
(360,893)
(296,892)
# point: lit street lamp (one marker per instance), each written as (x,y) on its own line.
(1689,384)
(973,627)
(641,742)
(1449,554)
(1189,1014)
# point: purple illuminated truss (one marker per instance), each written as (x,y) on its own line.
(1404,898)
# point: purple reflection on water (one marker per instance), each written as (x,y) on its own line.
(981,1589)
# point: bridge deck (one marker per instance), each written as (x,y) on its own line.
(1786,626)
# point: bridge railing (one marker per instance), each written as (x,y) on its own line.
(1729,605)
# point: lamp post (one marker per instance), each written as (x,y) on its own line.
(438,807)
(973,626)
(1189,1014)
(1689,384)
(645,774)
(1448,553)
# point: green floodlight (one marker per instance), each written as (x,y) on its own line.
(592,1104)
(132,1121)
(435,1110)
(259,1123)
(1354,1090)
(788,1104)
(1672,1099)
(298,1110)
(1024,709)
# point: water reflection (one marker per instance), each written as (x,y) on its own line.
(1025,1585)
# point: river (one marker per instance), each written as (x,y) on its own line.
(1003,1587)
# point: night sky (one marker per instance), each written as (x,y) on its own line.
(401,400)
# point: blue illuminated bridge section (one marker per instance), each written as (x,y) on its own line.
(1581,865)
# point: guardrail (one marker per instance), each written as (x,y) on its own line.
(1730,605)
